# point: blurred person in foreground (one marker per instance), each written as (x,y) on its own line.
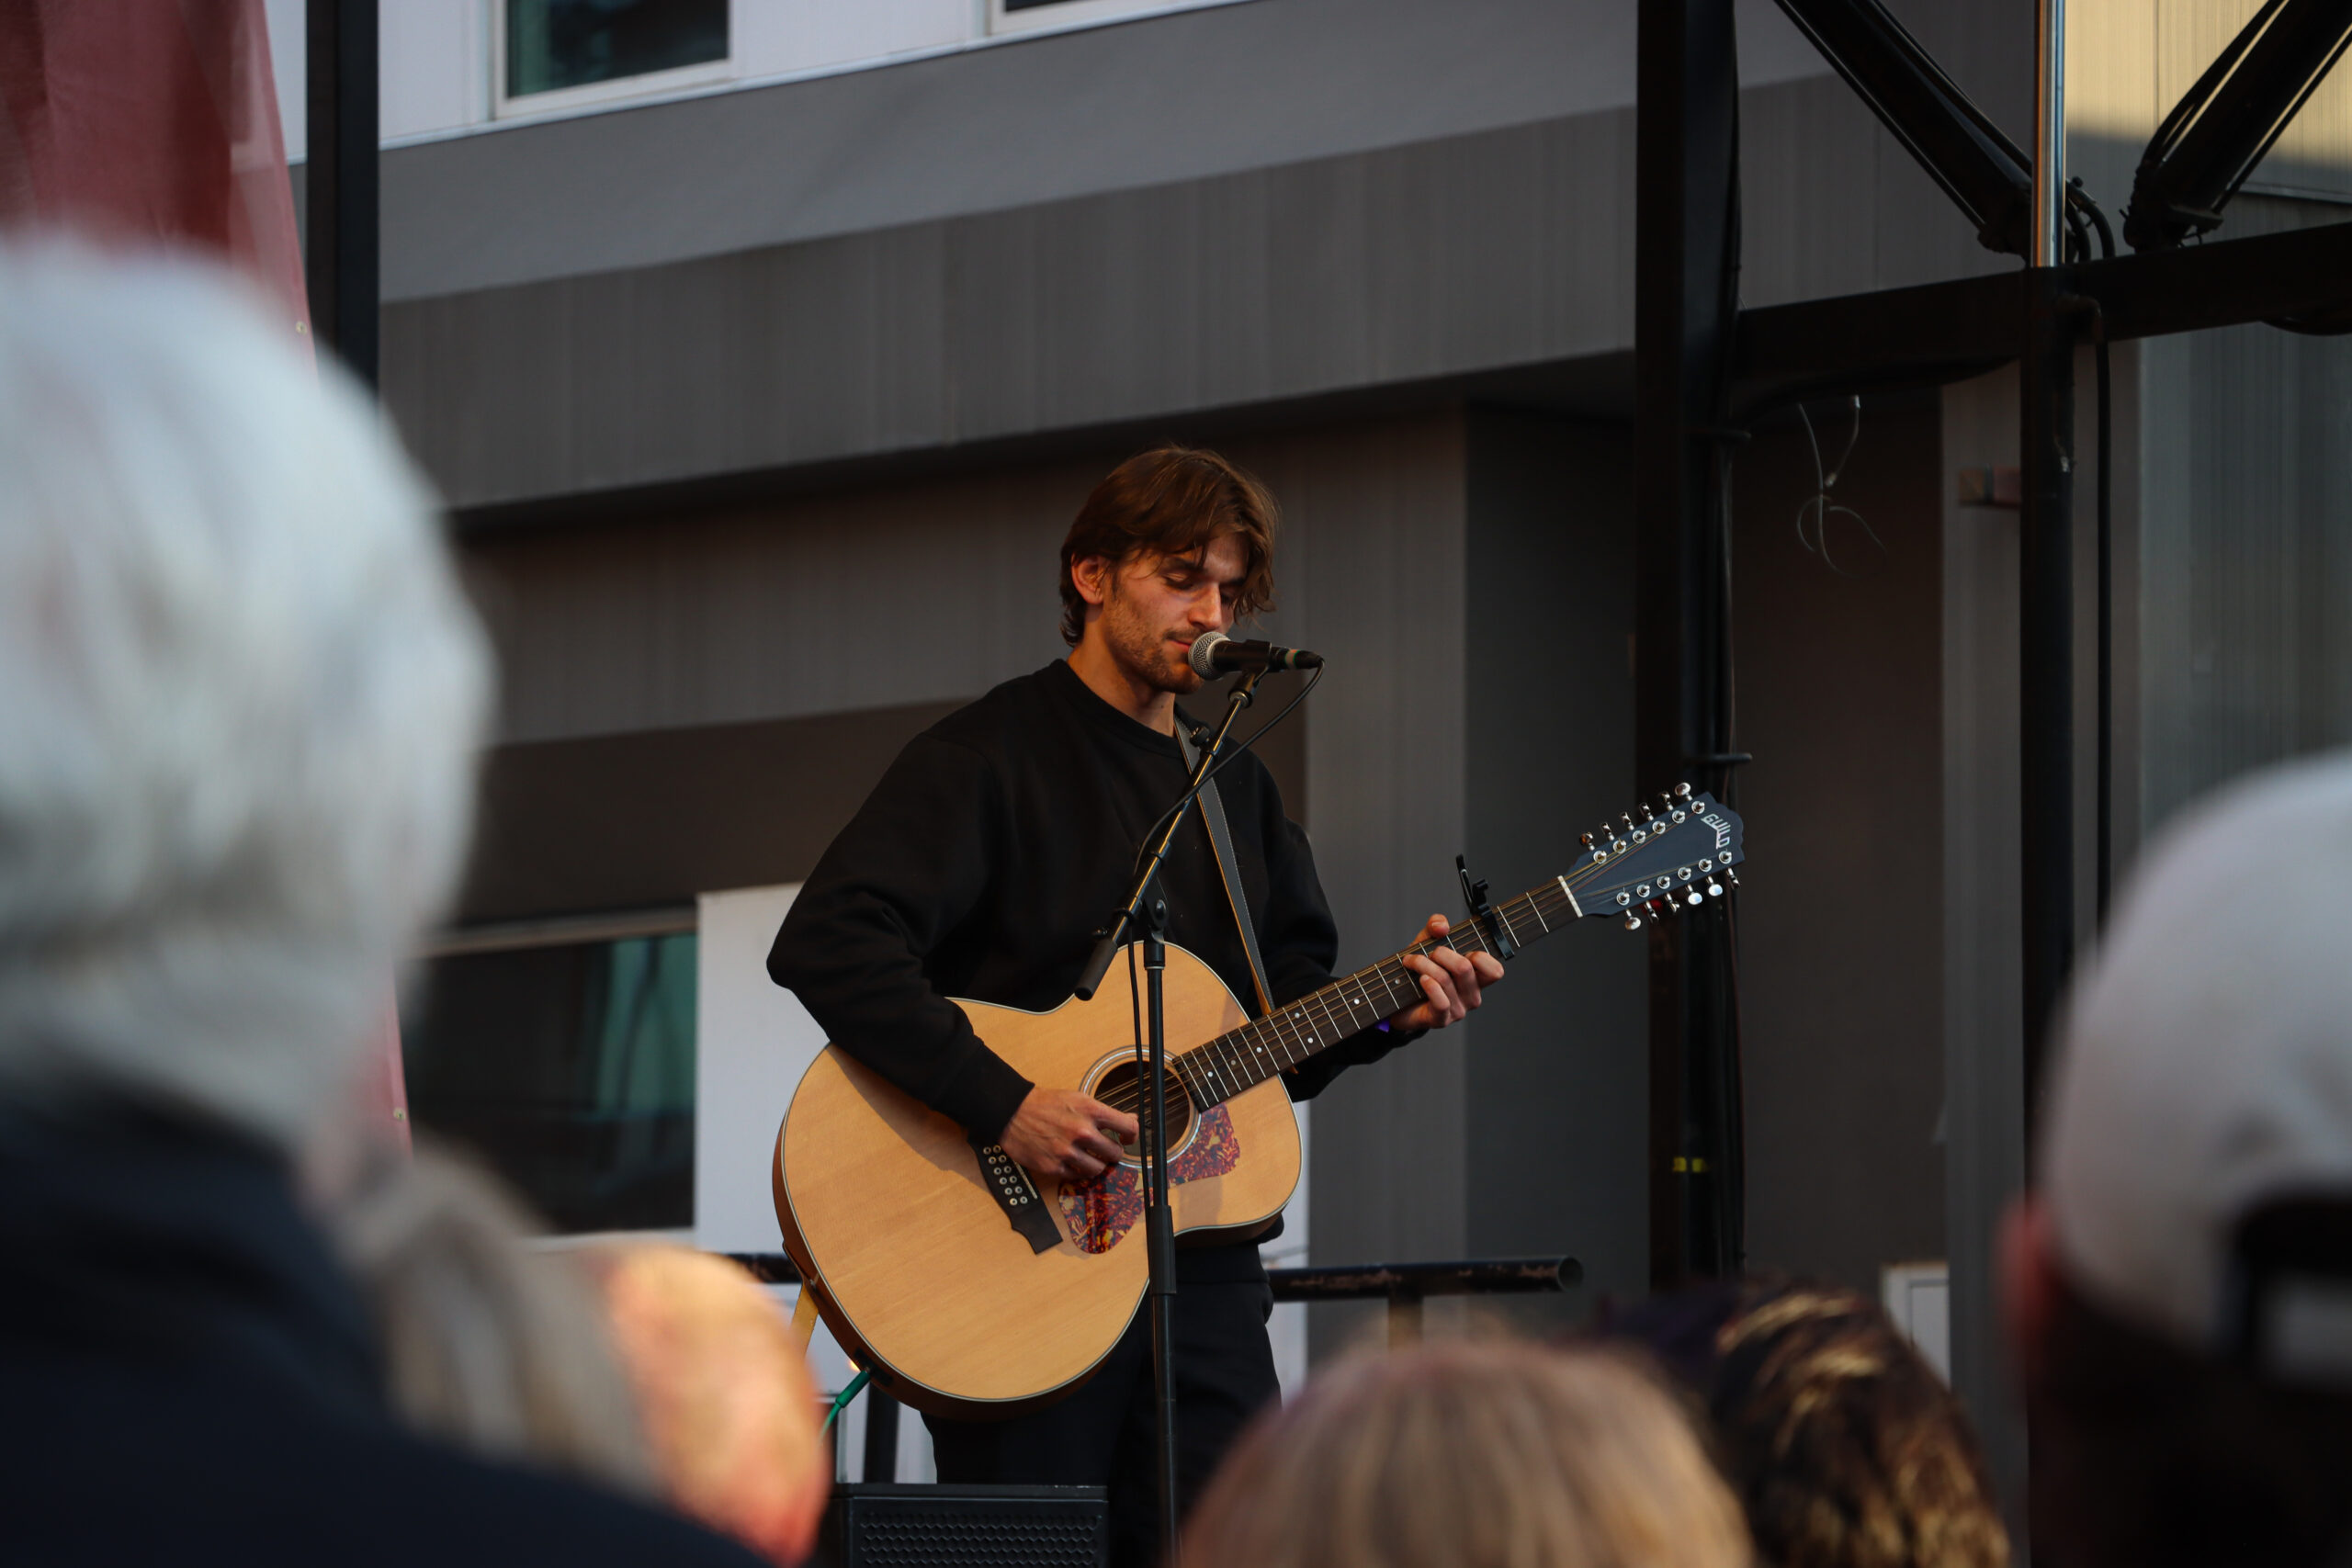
(239,692)
(2179,1285)
(1847,1450)
(655,1370)
(1471,1454)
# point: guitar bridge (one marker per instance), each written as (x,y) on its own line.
(1017,1195)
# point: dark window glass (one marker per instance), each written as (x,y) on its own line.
(569,44)
(571,1071)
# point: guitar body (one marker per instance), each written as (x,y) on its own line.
(914,1262)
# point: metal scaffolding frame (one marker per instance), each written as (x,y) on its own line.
(1704,367)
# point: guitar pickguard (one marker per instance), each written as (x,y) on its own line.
(1101,1212)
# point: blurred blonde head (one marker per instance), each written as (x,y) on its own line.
(728,1400)
(488,1343)
(1496,1454)
(239,698)
(657,1371)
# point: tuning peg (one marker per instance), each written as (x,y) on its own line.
(1632,923)
(1694,897)
(1682,792)
(1666,799)
(1587,841)
(1715,889)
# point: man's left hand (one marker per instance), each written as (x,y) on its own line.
(1450,982)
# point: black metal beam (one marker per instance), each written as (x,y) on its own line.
(1959,147)
(1942,332)
(2222,125)
(2307,272)
(339,181)
(1893,337)
(1685,306)
(1376,1282)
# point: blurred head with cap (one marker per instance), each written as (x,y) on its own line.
(239,697)
(2179,1288)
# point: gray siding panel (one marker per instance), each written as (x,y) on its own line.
(1494,251)
(1188,97)
(1558,1073)
(1439,259)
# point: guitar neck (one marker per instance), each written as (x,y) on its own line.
(1248,1055)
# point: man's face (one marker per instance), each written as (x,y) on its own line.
(1155,605)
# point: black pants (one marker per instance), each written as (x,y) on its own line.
(1102,1435)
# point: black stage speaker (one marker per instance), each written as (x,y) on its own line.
(887,1525)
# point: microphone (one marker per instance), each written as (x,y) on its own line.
(1214,654)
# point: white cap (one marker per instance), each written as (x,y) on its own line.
(2207,1065)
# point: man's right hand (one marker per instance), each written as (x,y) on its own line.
(1059,1133)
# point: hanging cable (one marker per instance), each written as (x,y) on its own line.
(841,1401)
(1814,517)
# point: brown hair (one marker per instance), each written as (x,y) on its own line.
(1171,501)
(1497,1454)
(1847,1448)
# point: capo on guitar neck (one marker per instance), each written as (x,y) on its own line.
(1497,935)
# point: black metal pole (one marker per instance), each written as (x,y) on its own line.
(1158,1226)
(1685,309)
(1145,912)
(2046,576)
(881,1435)
(339,181)
(2046,659)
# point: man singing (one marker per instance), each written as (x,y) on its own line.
(981,866)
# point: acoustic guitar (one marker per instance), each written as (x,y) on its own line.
(972,1289)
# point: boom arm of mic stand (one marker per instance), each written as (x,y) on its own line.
(1130,915)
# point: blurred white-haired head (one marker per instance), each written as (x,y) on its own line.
(240,693)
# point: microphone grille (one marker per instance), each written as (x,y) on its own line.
(1203,658)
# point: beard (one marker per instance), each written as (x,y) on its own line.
(1143,649)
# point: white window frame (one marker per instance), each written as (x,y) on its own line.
(564,100)
(1069,13)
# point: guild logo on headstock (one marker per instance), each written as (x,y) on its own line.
(1721,827)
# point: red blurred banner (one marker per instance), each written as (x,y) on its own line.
(147,122)
(151,120)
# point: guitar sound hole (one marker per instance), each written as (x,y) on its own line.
(1117,1087)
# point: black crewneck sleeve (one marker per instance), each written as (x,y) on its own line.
(993,849)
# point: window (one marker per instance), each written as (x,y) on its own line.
(562,46)
(1028,16)
(568,1066)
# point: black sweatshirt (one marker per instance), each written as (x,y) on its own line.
(982,864)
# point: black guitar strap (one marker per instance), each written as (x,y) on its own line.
(1221,839)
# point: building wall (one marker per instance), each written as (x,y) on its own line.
(1984,1091)
(1558,1065)
(2245,643)
(1838,662)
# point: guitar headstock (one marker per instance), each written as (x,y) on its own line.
(1659,859)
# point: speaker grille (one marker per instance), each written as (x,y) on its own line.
(968,1526)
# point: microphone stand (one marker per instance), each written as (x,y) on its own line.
(1148,914)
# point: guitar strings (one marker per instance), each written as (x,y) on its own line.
(1285,1026)
(1293,1033)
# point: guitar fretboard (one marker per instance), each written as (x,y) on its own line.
(1248,1056)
